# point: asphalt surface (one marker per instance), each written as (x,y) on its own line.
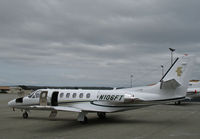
(155,122)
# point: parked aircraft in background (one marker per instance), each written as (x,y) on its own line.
(193,90)
(172,87)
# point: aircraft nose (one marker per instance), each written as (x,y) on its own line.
(11,103)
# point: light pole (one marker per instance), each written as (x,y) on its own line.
(131,80)
(162,67)
(172,50)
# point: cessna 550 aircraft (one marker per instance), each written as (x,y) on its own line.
(172,87)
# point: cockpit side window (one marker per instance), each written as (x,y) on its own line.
(29,96)
(37,94)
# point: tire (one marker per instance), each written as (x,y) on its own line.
(25,115)
(101,115)
(178,103)
(84,121)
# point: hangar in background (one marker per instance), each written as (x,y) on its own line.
(12,89)
(4,89)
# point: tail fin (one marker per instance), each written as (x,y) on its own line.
(176,80)
(178,74)
(174,84)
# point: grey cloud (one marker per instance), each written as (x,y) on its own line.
(102,42)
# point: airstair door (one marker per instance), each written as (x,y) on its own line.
(43,98)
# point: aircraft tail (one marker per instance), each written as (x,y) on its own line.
(178,76)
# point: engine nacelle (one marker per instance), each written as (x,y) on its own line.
(128,98)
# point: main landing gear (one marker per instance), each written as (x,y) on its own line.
(101,115)
(85,120)
(177,102)
(25,115)
(82,117)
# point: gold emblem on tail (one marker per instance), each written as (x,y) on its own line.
(179,71)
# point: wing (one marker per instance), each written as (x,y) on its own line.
(103,106)
(84,106)
(58,108)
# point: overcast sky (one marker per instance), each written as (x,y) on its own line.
(94,42)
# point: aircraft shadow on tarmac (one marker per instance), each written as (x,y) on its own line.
(188,104)
(73,125)
(68,124)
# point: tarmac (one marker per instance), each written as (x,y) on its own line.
(154,122)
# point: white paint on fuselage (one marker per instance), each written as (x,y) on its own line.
(97,97)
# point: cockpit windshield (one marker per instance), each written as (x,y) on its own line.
(31,95)
(35,94)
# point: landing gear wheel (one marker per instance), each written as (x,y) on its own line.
(25,115)
(84,121)
(177,102)
(101,115)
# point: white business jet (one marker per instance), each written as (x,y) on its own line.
(172,87)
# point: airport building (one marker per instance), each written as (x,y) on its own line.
(14,90)
(4,89)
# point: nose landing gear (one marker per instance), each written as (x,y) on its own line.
(25,115)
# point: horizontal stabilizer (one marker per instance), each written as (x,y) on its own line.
(58,108)
(170,84)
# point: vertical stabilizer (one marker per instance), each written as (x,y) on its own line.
(178,75)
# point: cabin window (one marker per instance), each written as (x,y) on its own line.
(67,95)
(74,95)
(81,95)
(88,95)
(61,95)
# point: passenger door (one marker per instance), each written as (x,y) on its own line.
(43,98)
